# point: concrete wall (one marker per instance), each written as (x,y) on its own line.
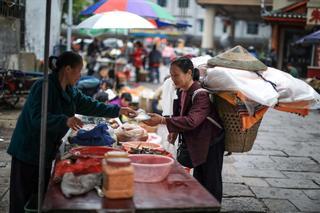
(277,4)
(9,38)
(313,3)
(35,26)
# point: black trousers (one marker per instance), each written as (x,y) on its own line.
(209,173)
(23,183)
(137,69)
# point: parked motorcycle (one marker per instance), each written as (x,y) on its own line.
(15,84)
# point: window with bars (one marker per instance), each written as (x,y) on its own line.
(162,3)
(200,23)
(183,3)
(252,28)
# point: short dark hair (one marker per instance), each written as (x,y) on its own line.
(185,64)
(102,97)
(102,68)
(127,96)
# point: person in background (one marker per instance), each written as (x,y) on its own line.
(138,55)
(253,51)
(124,100)
(292,70)
(195,131)
(106,87)
(168,54)
(92,54)
(102,97)
(274,57)
(103,73)
(155,59)
(64,101)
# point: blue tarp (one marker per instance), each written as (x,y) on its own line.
(310,39)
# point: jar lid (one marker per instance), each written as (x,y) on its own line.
(118,162)
(116,154)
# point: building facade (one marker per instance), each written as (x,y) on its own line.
(291,20)
(35,26)
(11,29)
(22,31)
(247,32)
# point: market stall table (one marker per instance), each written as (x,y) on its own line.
(179,192)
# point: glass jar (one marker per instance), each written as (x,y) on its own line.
(117,178)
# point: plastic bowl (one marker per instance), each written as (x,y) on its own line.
(150,168)
(140,145)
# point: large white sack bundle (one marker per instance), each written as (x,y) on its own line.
(291,89)
(271,87)
(246,82)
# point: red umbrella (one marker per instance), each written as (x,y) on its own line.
(144,8)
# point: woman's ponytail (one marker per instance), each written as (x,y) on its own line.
(53,62)
(67,58)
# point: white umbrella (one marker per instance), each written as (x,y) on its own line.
(116,19)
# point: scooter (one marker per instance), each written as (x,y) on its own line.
(15,84)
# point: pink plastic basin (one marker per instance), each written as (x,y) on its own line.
(150,168)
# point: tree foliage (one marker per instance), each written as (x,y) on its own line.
(78,6)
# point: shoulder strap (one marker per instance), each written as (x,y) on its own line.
(209,118)
(196,92)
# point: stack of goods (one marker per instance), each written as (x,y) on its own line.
(96,165)
(79,170)
(117,176)
(131,132)
(245,88)
(80,160)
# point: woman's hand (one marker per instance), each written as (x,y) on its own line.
(172,137)
(128,112)
(74,123)
(154,120)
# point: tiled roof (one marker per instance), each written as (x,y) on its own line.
(295,11)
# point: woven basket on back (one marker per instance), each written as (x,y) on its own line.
(236,140)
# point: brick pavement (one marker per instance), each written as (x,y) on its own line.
(280,174)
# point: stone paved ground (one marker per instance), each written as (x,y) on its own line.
(280,174)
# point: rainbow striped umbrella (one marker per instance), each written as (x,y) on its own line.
(144,8)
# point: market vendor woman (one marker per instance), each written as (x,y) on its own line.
(202,140)
(64,101)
